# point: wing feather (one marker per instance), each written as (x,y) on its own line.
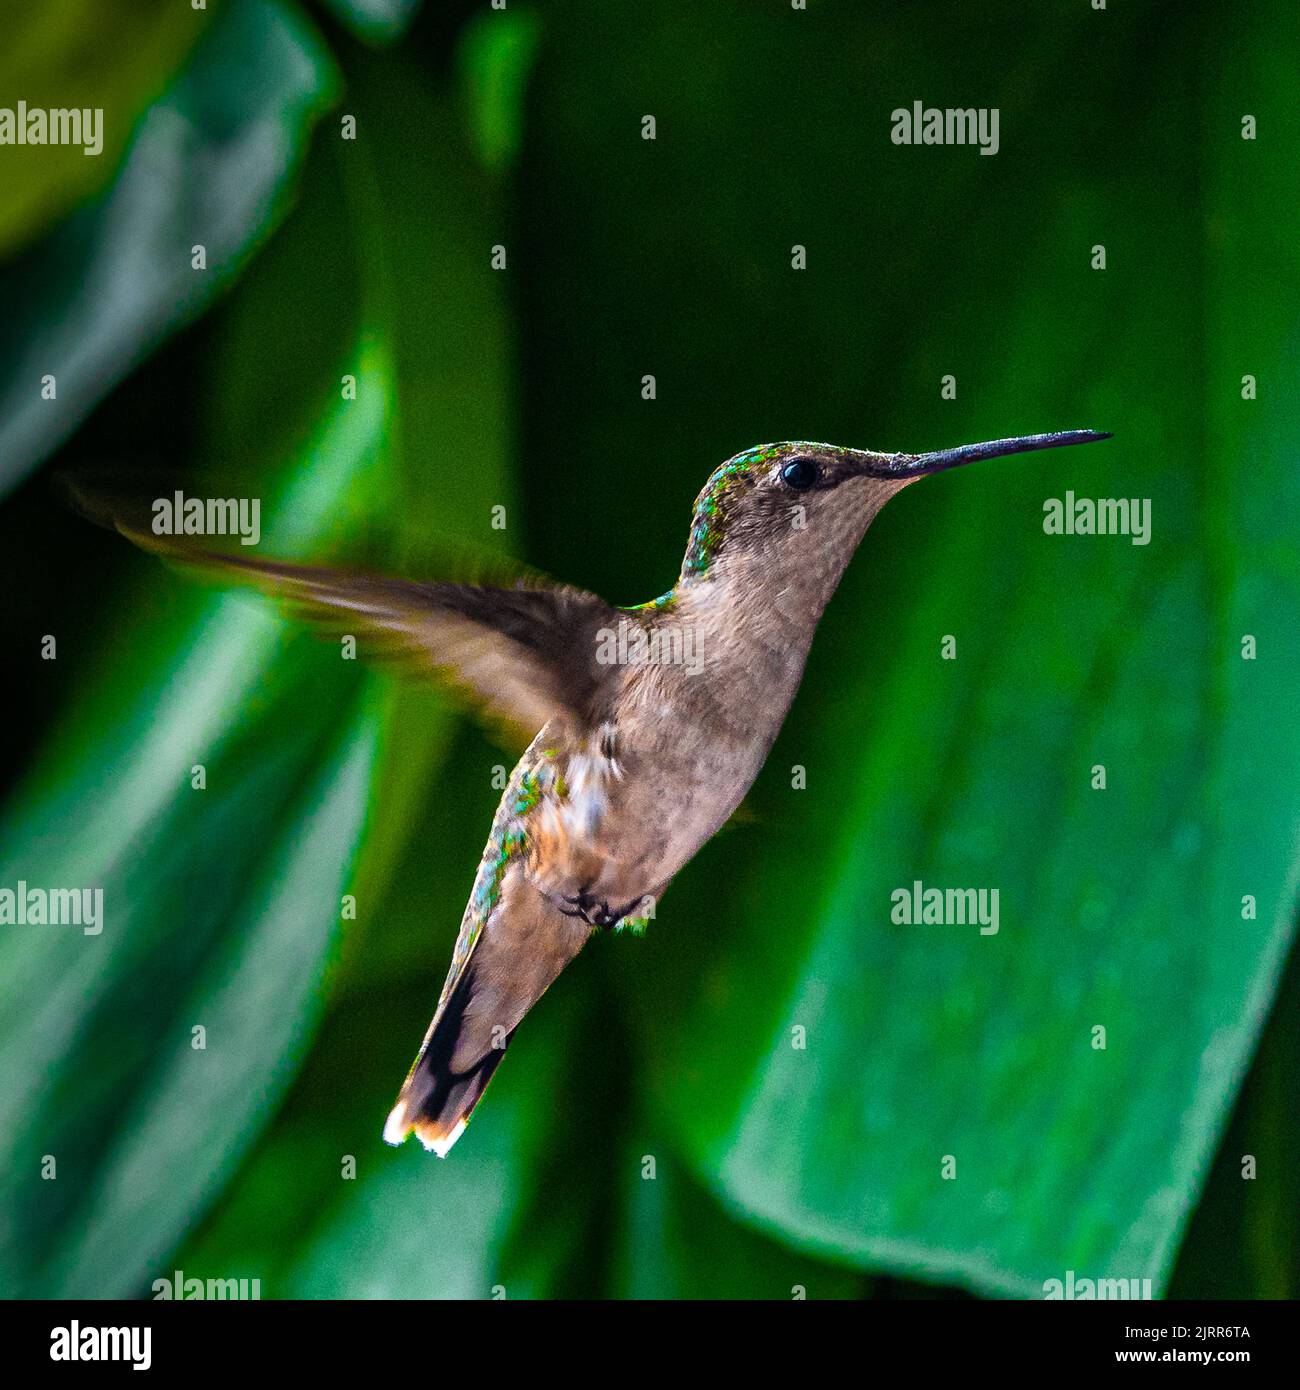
(518,655)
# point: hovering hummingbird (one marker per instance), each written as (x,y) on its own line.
(645,726)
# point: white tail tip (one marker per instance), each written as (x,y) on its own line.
(442,1147)
(397,1127)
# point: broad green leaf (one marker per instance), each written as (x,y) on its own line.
(1244,1240)
(208,166)
(170,1159)
(1119,908)
(107,56)
(220,905)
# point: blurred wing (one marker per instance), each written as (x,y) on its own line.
(519,656)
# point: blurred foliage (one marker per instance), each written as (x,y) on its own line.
(206,167)
(773,1168)
(114,54)
(377,20)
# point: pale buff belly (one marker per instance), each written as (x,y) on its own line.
(624,830)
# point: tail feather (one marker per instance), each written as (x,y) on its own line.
(437,1099)
(524,945)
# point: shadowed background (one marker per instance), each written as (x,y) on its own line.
(654,1132)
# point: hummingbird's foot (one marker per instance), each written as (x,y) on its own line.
(586,907)
(580,905)
(597,914)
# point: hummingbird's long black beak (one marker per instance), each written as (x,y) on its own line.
(917,465)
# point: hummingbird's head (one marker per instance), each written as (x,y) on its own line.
(792,510)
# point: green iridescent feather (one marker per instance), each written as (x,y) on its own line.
(711,506)
(506,842)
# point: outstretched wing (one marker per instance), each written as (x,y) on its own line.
(518,656)
(522,656)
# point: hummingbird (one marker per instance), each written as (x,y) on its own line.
(644,726)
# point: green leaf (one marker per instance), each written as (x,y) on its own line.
(257,1000)
(209,165)
(110,56)
(1119,908)
(217,913)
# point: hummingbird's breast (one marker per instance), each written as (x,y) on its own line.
(689,728)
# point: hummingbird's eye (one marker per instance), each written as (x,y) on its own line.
(800,474)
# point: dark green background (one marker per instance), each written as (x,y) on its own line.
(773,1167)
